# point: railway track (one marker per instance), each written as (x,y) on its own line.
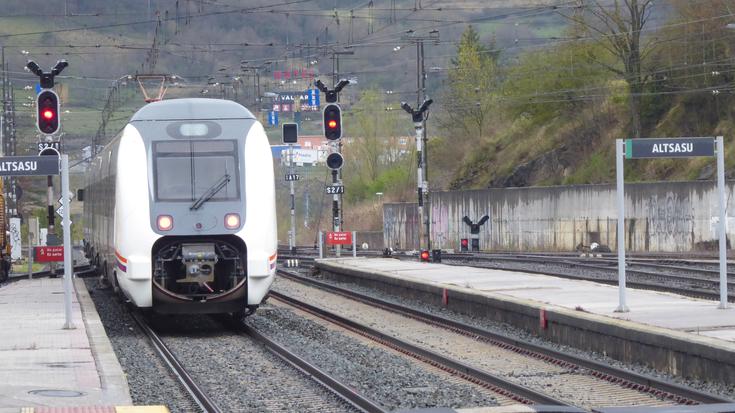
(341,390)
(683,279)
(200,398)
(206,403)
(594,377)
(698,286)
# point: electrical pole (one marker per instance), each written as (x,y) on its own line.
(256,84)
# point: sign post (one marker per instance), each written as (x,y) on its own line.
(46,166)
(619,145)
(723,221)
(671,148)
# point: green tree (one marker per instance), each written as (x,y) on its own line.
(372,129)
(617,26)
(469,97)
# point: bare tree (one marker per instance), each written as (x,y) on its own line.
(618,24)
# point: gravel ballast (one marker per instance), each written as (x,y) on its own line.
(519,334)
(237,373)
(148,378)
(388,379)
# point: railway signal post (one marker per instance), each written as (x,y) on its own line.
(48,122)
(422,185)
(290,136)
(332,120)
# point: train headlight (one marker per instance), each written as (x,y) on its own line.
(232,221)
(165,222)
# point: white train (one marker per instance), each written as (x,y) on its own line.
(179,209)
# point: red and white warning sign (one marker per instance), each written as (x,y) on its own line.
(49,254)
(339,238)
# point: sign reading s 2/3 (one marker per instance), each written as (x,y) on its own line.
(339,238)
(29,165)
(335,189)
(669,148)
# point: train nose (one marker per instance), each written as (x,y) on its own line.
(201,222)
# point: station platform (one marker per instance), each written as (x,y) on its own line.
(44,367)
(684,336)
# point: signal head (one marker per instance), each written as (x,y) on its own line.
(47,106)
(425,257)
(290,133)
(335,161)
(332,122)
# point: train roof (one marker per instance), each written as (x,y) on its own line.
(192,109)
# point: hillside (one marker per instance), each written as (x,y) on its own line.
(552,115)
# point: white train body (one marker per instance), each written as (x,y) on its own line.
(179,208)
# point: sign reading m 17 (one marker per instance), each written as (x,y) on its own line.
(669,147)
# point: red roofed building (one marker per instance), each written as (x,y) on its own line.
(312,142)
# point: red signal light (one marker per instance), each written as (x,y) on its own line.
(464,244)
(47,115)
(425,256)
(332,116)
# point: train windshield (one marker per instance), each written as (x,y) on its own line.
(186,170)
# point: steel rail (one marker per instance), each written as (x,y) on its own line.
(690,292)
(196,393)
(624,378)
(611,263)
(485,379)
(333,385)
(707,287)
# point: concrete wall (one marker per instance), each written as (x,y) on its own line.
(674,216)
(401,225)
(374,239)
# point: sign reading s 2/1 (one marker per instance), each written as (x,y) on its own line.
(49,145)
(669,148)
(335,189)
(339,238)
(292,177)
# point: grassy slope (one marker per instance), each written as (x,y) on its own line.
(589,140)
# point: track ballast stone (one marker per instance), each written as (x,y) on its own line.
(393,381)
(148,378)
(519,334)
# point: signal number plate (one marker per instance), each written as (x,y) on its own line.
(335,189)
